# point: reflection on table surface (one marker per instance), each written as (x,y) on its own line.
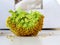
(27,41)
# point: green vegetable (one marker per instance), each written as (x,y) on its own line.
(25,19)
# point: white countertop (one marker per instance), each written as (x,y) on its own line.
(45,37)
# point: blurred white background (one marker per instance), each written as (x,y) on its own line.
(5,6)
(51,11)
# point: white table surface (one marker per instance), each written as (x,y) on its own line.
(45,37)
